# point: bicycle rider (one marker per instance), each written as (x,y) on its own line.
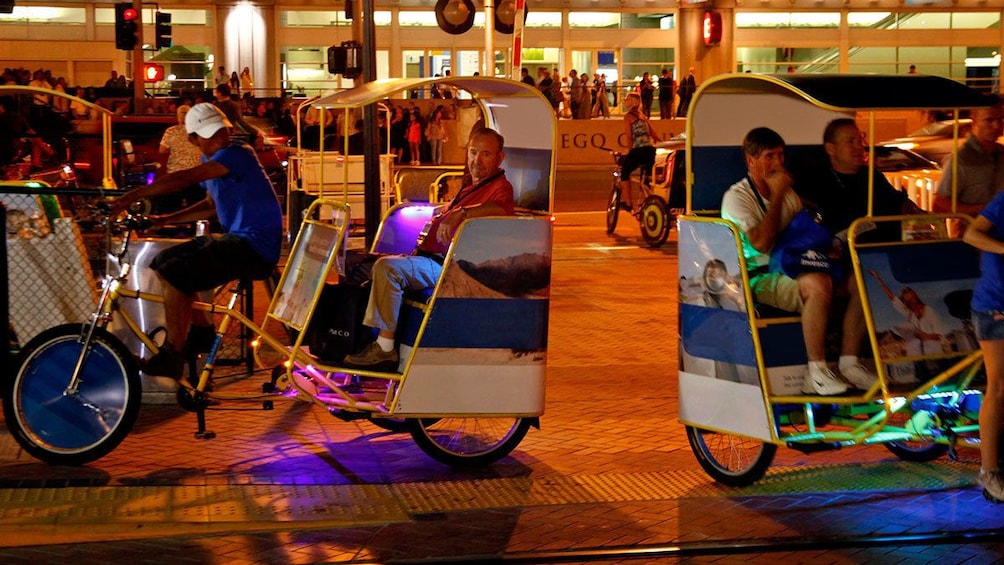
(642,154)
(240,194)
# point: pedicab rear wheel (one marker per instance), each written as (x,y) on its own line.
(654,220)
(732,460)
(613,207)
(468,442)
(916,451)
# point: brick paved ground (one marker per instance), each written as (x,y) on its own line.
(609,471)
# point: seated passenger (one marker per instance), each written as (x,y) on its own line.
(840,190)
(762,205)
(486,193)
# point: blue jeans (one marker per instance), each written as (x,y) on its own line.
(392,276)
(989,326)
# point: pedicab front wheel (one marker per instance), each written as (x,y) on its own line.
(468,442)
(732,460)
(64,427)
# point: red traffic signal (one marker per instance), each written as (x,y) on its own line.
(126,26)
(712,28)
(153,72)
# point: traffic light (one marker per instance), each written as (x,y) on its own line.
(152,72)
(712,28)
(345,59)
(163,30)
(126,18)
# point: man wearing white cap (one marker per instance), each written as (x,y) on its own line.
(239,193)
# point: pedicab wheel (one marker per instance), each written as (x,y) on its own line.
(468,442)
(654,221)
(918,451)
(732,460)
(77,428)
(613,208)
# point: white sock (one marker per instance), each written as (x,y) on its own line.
(847,361)
(385,343)
(817,364)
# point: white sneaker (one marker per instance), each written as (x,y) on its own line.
(822,381)
(858,376)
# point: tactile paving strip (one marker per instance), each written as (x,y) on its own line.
(59,515)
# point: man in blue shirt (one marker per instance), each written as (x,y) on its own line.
(241,196)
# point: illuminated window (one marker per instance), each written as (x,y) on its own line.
(869,19)
(178,17)
(325,18)
(926,20)
(648,21)
(606,20)
(543,19)
(49,15)
(787,20)
(420,19)
(976,20)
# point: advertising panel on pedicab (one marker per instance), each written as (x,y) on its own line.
(918,297)
(305,274)
(718,366)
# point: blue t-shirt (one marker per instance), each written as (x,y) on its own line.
(988,294)
(245,200)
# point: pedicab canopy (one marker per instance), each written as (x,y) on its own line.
(798,107)
(516,110)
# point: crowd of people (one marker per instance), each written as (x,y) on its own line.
(416,137)
(576,96)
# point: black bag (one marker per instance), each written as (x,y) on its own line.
(336,328)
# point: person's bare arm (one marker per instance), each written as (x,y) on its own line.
(169,184)
(943,204)
(978,235)
(763,235)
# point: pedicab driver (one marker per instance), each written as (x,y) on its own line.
(486,192)
(239,193)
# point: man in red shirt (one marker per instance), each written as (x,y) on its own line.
(487,192)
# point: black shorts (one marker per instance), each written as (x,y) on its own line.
(207,262)
(638,157)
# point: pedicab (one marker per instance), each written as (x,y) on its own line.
(742,365)
(473,350)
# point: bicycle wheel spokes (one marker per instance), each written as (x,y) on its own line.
(468,441)
(81,426)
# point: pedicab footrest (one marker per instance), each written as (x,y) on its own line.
(814,447)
